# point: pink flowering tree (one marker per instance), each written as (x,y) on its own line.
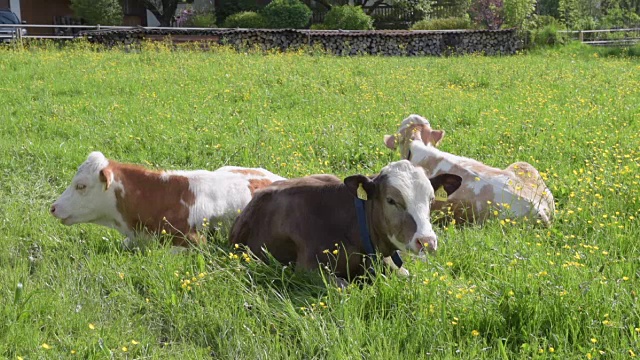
(488,13)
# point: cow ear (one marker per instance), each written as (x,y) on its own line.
(390,141)
(436,136)
(105,176)
(356,184)
(449,182)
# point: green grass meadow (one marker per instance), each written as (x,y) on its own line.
(503,290)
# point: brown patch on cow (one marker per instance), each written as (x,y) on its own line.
(248,172)
(152,203)
(257,184)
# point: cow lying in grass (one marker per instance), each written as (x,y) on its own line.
(304,220)
(139,202)
(515,192)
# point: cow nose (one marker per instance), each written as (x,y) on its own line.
(429,243)
(53,209)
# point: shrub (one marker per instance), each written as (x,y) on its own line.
(450,23)
(606,51)
(103,12)
(193,18)
(319,27)
(487,13)
(226,8)
(245,19)
(205,20)
(541,21)
(348,17)
(633,51)
(280,14)
(547,36)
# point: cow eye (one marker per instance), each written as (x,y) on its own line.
(80,187)
(392,202)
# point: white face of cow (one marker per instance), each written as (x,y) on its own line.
(402,196)
(87,199)
(414,196)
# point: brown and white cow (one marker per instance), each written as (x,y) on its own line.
(139,202)
(515,192)
(303,220)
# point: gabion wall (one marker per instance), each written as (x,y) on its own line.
(396,43)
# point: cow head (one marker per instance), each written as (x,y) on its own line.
(90,197)
(415,127)
(400,199)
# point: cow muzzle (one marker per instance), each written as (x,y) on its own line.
(427,243)
(54,211)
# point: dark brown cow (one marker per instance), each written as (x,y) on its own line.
(304,220)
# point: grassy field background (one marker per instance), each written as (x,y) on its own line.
(503,290)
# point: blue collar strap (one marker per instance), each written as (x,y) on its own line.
(364,229)
(365,237)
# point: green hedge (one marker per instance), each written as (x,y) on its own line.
(450,23)
(347,17)
(245,19)
(286,14)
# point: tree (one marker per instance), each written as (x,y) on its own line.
(164,10)
(548,7)
(518,12)
(579,14)
(488,13)
(104,12)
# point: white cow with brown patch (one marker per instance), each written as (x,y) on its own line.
(139,202)
(515,192)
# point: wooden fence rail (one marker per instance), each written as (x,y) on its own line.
(606,37)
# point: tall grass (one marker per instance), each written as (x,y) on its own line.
(503,290)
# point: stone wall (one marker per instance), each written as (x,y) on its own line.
(404,43)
